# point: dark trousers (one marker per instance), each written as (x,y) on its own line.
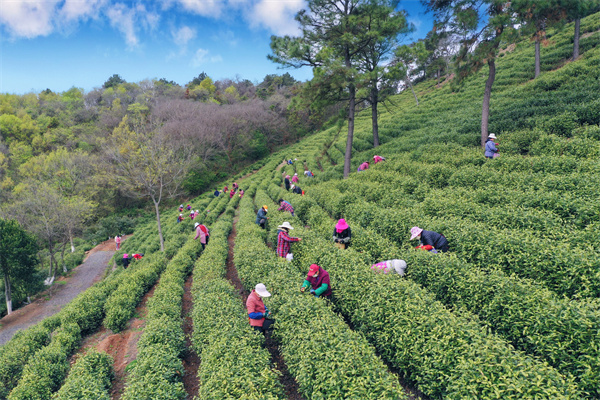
(267,325)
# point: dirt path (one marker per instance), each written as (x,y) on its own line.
(60,293)
(191,361)
(122,347)
(289,383)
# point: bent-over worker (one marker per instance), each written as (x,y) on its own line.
(258,313)
(318,281)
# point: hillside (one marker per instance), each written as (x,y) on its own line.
(511,311)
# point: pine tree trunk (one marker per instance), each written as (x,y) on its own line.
(374,103)
(411,88)
(160,235)
(576,39)
(487,94)
(351,107)
(537,56)
(351,110)
(8,295)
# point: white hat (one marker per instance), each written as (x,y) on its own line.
(296,174)
(181,215)
(196,224)
(293,186)
(197,211)
(285,225)
(399,266)
(261,289)
(492,136)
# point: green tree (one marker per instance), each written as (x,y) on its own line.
(383,26)
(113,81)
(18,256)
(197,80)
(575,10)
(537,15)
(332,39)
(481,35)
(408,60)
(72,174)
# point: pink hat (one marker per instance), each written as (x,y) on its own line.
(314,268)
(414,232)
(341,225)
(125,255)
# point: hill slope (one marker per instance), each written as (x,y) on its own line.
(511,311)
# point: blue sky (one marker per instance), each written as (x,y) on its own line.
(59,44)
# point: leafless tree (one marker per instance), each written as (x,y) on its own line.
(146,162)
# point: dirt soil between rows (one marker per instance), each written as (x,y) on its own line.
(122,346)
(287,381)
(62,291)
(191,361)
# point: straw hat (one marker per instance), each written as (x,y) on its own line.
(285,225)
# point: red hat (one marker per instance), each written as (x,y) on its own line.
(314,268)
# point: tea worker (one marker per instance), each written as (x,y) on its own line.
(318,281)
(429,238)
(342,234)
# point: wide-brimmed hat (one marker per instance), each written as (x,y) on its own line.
(492,136)
(314,268)
(296,174)
(265,207)
(341,225)
(293,186)
(414,232)
(399,266)
(261,289)
(287,176)
(196,224)
(285,225)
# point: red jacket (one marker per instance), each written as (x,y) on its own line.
(255,304)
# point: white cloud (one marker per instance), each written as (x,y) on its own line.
(148,18)
(203,56)
(27,18)
(277,16)
(225,37)
(123,19)
(78,9)
(183,35)
(207,8)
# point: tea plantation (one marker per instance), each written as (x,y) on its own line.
(512,311)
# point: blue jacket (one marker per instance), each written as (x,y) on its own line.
(261,214)
(490,148)
(434,239)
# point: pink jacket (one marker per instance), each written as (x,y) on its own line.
(295,179)
(200,234)
(364,166)
(255,304)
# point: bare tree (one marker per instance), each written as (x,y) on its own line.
(40,209)
(145,161)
